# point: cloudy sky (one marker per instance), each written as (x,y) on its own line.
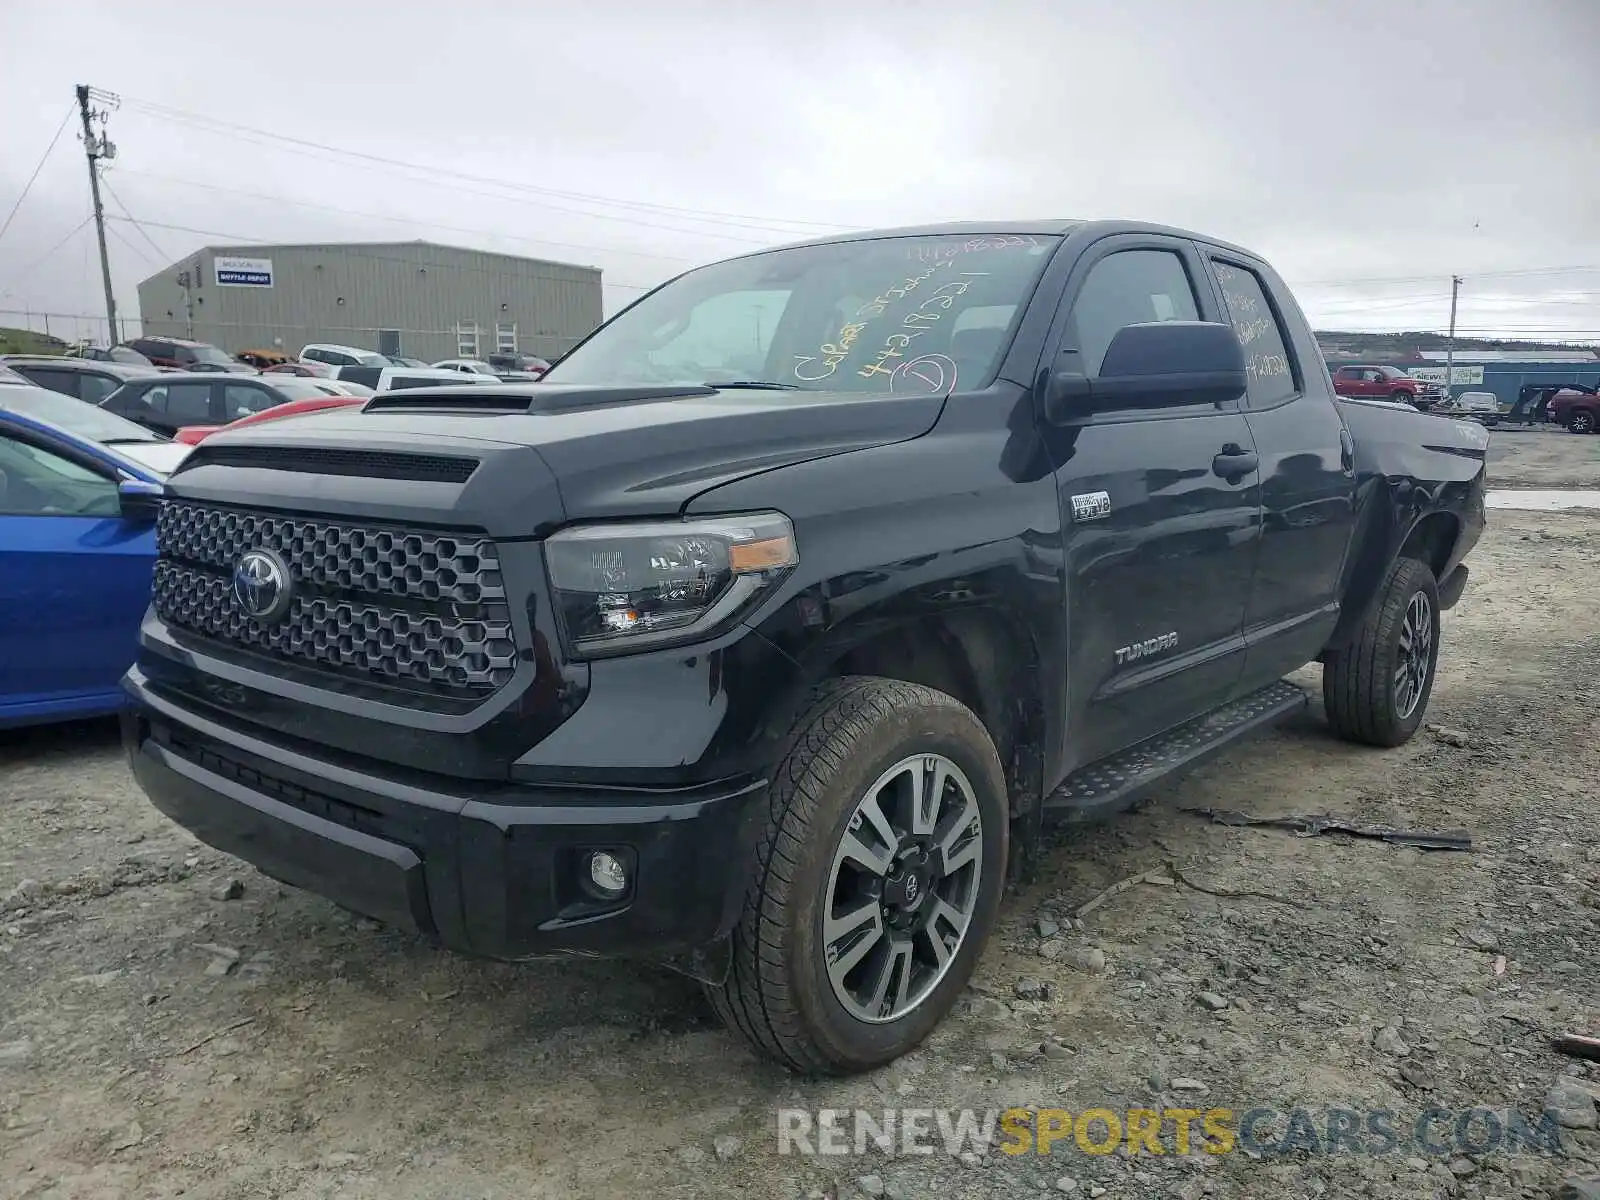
(1369,148)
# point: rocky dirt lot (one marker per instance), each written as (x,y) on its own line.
(172,1023)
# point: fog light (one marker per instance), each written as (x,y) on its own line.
(609,876)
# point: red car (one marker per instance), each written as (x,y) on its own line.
(193,435)
(306,370)
(1384,383)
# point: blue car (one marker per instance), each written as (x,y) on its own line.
(77,548)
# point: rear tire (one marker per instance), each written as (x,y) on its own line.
(1581,421)
(1376,689)
(831,971)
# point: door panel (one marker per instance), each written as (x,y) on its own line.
(1307,475)
(74,580)
(72,593)
(1159,574)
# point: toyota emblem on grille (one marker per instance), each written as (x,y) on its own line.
(261,585)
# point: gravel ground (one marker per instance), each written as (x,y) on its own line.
(172,1023)
(1546,457)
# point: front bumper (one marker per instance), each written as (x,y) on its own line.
(495,871)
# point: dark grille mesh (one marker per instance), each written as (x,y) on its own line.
(421,610)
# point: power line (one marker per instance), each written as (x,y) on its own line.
(178,114)
(43,258)
(43,158)
(161,254)
(353,212)
(1574,270)
(446,178)
(157,263)
(234,239)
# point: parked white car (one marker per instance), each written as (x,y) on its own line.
(331,355)
(466,366)
(1474,406)
(389,379)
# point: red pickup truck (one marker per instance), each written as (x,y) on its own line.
(1577,407)
(1385,383)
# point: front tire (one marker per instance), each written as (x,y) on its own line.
(1376,689)
(878,875)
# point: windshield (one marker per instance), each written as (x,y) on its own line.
(373,360)
(73,415)
(210,354)
(901,314)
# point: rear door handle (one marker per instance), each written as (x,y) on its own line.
(1235,462)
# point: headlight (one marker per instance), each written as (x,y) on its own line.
(629,587)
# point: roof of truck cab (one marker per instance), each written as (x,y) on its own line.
(1036,227)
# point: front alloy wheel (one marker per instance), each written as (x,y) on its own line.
(902,888)
(876,879)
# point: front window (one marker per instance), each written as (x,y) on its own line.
(41,483)
(876,315)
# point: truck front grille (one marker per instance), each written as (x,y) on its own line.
(418,610)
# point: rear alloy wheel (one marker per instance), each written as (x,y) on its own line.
(1376,688)
(877,878)
(1581,421)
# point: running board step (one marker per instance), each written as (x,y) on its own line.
(1117,780)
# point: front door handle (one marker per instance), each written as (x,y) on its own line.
(1235,462)
(1347,453)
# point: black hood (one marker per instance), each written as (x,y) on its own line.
(518,460)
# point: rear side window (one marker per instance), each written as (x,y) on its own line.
(241,399)
(1130,287)
(65,382)
(95,388)
(182,401)
(1271,371)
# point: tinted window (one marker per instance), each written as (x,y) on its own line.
(182,402)
(1267,362)
(241,399)
(65,382)
(1131,287)
(95,388)
(39,483)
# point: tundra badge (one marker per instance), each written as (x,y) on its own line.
(1155,645)
(1091,506)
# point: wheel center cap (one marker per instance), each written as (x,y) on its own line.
(909,882)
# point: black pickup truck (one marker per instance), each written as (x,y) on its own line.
(766,633)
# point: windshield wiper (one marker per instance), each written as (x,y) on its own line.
(760,385)
(127,441)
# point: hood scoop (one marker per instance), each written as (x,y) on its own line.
(523,398)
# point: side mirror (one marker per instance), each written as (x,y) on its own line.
(140,501)
(1160,364)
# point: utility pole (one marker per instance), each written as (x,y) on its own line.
(97,147)
(185,282)
(1450,342)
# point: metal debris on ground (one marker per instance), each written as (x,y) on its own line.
(1578,1046)
(1158,877)
(1453,839)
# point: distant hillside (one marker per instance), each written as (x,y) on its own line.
(26,341)
(1409,347)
